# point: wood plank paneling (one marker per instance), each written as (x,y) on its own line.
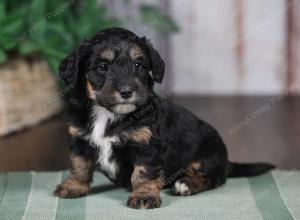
(265,46)
(202,54)
(293,53)
(230,47)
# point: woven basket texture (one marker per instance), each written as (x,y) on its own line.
(28,94)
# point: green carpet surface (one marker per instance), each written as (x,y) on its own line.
(28,196)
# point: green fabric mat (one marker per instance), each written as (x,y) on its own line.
(28,196)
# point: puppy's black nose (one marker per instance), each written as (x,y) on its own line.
(126,94)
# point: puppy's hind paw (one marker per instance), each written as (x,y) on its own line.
(181,188)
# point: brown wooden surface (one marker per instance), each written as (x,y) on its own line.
(44,147)
(273,135)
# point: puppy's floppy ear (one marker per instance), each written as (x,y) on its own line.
(69,67)
(157,63)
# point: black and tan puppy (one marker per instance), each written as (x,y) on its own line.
(138,140)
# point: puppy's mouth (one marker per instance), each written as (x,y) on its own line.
(124,105)
(124,108)
(119,105)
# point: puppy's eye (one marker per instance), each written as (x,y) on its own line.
(104,66)
(138,66)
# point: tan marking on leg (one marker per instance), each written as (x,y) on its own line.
(78,183)
(197,178)
(138,176)
(136,52)
(81,168)
(193,182)
(151,185)
(107,55)
(142,135)
(193,169)
(146,192)
(90,90)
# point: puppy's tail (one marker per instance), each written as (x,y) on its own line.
(248,169)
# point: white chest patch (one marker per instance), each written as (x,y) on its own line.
(101,118)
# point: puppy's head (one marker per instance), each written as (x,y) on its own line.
(116,68)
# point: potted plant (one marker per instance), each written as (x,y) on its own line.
(34,36)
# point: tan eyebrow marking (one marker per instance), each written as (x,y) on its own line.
(136,52)
(107,54)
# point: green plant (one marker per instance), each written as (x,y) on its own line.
(51,28)
(159,20)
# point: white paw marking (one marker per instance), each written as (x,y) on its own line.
(181,189)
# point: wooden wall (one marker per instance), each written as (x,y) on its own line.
(293,81)
(233,47)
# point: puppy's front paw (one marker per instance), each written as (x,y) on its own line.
(71,188)
(144,200)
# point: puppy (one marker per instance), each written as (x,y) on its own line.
(118,125)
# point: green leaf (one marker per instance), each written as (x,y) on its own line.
(53,53)
(2,56)
(2,10)
(38,33)
(5,39)
(59,30)
(14,5)
(36,11)
(28,48)
(12,27)
(53,64)
(158,19)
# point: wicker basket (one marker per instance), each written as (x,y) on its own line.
(28,94)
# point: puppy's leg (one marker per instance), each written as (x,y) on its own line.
(78,183)
(146,191)
(196,180)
